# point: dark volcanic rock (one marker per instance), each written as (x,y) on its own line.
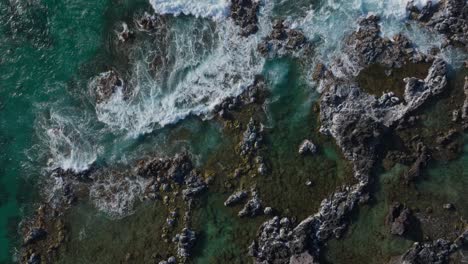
(126,34)
(284,41)
(176,169)
(278,243)
(399,218)
(255,93)
(106,84)
(251,139)
(420,163)
(244,14)
(366,46)
(307,147)
(448,18)
(194,185)
(465,103)
(148,22)
(357,121)
(34,259)
(34,235)
(235,198)
(434,252)
(185,242)
(253,207)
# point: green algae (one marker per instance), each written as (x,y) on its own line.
(444,181)
(378,79)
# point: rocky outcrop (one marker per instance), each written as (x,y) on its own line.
(283,41)
(106,85)
(419,164)
(399,219)
(251,139)
(35,234)
(350,115)
(465,103)
(185,242)
(255,93)
(280,242)
(449,18)
(175,169)
(357,121)
(434,252)
(307,147)
(125,34)
(235,198)
(366,46)
(148,22)
(253,207)
(244,13)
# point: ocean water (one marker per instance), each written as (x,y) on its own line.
(52,51)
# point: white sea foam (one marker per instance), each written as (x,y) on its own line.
(207,64)
(116,194)
(215,9)
(69,147)
(329,23)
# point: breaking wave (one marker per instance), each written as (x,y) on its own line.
(206,63)
(215,9)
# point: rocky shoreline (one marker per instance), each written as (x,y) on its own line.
(360,123)
(357,121)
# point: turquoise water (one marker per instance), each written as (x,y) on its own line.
(47,48)
(43,45)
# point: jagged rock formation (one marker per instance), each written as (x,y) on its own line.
(125,34)
(283,40)
(244,14)
(434,252)
(107,84)
(235,198)
(449,18)
(253,207)
(255,93)
(399,218)
(357,121)
(172,180)
(465,103)
(307,147)
(366,46)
